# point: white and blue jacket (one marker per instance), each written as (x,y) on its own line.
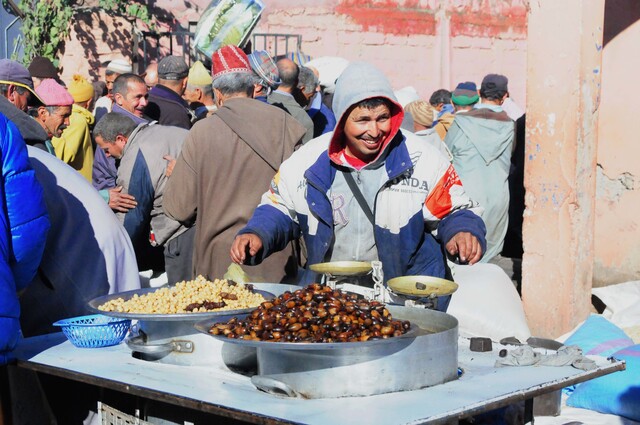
(419,204)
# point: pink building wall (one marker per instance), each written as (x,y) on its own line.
(617,251)
(428,44)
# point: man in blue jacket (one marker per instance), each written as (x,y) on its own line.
(411,200)
(25,223)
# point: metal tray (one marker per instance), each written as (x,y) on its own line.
(191,317)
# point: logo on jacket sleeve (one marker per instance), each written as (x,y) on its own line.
(274,193)
(439,199)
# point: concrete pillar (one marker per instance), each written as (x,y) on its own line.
(563,89)
(443,46)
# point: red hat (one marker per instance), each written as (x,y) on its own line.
(53,94)
(229,59)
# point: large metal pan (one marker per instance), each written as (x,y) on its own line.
(426,356)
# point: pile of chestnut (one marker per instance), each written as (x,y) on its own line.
(315,313)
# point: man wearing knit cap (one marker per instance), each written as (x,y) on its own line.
(225,165)
(41,68)
(267,71)
(422,114)
(166,104)
(54,116)
(481,142)
(465,96)
(199,92)
(283,96)
(16,94)
(74,146)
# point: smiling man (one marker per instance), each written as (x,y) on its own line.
(366,192)
(130,96)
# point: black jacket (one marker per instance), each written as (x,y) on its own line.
(168,108)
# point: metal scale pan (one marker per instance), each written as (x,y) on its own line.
(411,291)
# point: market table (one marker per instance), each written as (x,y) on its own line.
(217,390)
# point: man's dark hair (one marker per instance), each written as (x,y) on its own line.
(492,94)
(373,103)
(288,74)
(440,96)
(121,84)
(113,124)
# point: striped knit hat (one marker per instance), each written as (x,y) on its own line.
(265,68)
(421,111)
(229,59)
(465,94)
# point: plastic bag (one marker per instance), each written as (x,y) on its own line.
(226,22)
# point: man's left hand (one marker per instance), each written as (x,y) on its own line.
(466,246)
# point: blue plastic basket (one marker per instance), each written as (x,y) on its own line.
(95,330)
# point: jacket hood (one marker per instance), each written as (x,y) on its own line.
(30,130)
(84,113)
(481,125)
(358,82)
(268,142)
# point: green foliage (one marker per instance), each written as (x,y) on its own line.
(44,26)
(47,23)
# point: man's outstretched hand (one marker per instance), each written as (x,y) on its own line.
(241,243)
(466,246)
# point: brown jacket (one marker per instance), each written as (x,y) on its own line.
(443,125)
(226,164)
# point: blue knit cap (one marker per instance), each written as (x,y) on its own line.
(465,94)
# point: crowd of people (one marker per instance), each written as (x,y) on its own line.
(250,159)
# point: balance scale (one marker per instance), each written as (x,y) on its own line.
(410,291)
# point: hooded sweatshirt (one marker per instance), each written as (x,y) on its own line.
(414,193)
(354,238)
(481,142)
(225,165)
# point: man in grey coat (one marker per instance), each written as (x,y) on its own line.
(283,96)
(142,173)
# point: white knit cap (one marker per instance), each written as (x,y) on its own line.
(120,66)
